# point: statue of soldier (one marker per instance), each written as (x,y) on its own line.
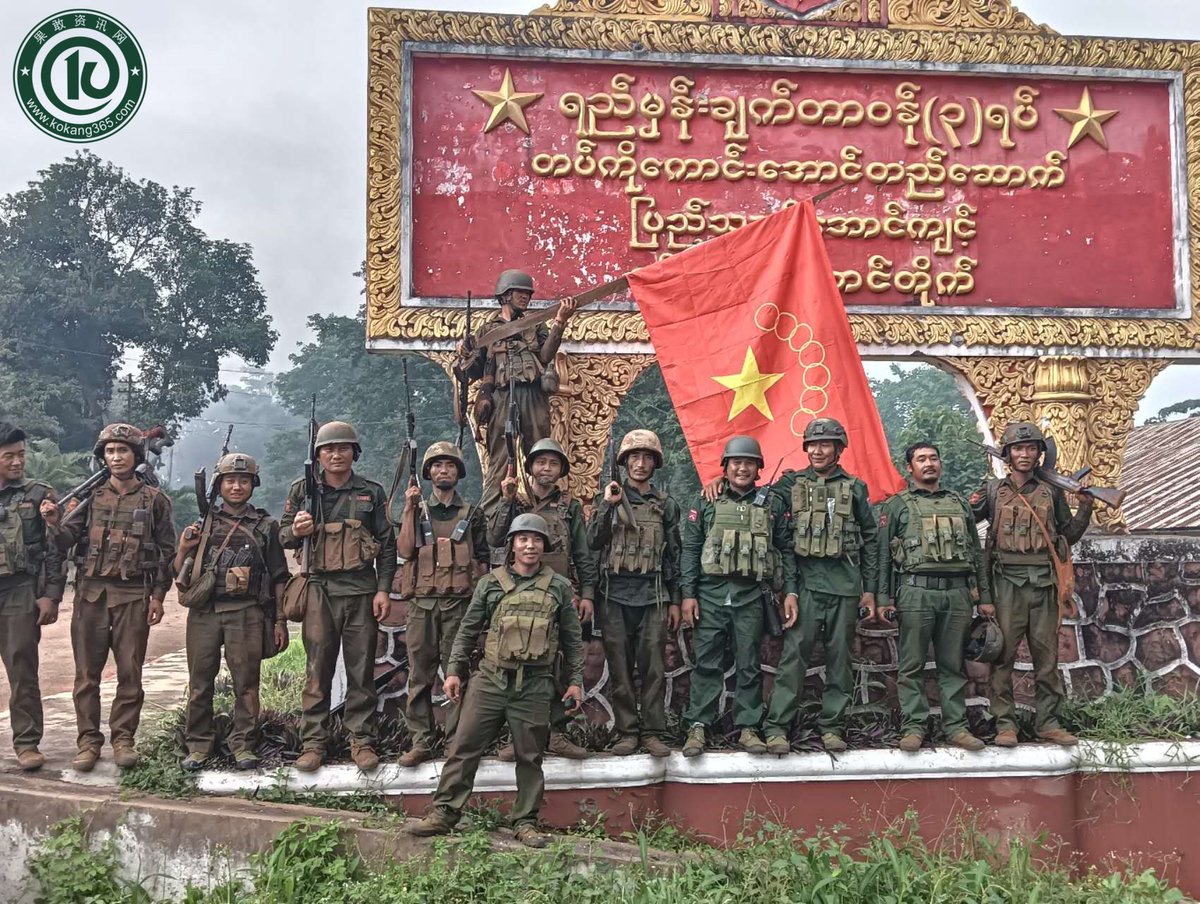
(31,589)
(568,554)
(525,608)
(1030,534)
(353,562)
(521,365)
(124,541)
(640,585)
(437,580)
(732,548)
(231,572)
(836,555)
(931,570)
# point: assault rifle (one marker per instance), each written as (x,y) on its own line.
(156,440)
(512,444)
(206,496)
(462,383)
(623,510)
(1110,496)
(424,535)
(312,489)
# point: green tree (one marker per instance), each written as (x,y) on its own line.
(648,405)
(62,470)
(1189,408)
(96,266)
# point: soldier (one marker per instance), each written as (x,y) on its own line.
(353,562)
(239,549)
(1030,534)
(125,542)
(525,607)
(31,588)
(522,365)
(731,549)
(931,569)
(437,580)
(547,463)
(834,545)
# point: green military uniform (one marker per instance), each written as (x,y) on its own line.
(569,555)
(528,620)
(931,569)
(244,555)
(1025,586)
(437,585)
(640,574)
(730,551)
(125,542)
(835,549)
(514,365)
(353,558)
(31,567)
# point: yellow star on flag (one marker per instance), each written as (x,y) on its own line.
(1086,121)
(750,387)
(508,104)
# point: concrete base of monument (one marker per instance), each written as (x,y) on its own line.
(1109,805)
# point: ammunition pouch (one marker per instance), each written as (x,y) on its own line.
(638,548)
(935,535)
(343,546)
(524,625)
(739,542)
(445,567)
(301,592)
(823,519)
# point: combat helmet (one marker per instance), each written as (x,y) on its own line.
(128,434)
(338,432)
(640,441)
(825,428)
(530,523)
(548,445)
(513,279)
(743,447)
(985,641)
(1021,432)
(237,463)
(443,449)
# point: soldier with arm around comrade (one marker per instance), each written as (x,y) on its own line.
(31,589)
(931,569)
(353,562)
(437,580)
(231,572)
(1030,534)
(640,591)
(125,542)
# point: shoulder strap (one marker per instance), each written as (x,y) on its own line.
(545,579)
(504,579)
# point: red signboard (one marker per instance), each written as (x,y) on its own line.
(1015,190)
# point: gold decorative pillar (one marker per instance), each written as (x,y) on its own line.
(1086,404)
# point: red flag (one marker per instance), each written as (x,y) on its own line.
(752,338)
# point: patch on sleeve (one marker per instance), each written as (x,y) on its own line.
(365,497)
(693,515)
(883,520)
(976,497)
(289,507)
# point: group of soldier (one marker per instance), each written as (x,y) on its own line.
(805,553)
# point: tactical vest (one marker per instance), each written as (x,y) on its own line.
(524,627)
(236,555)
(1015,536)
(22,534)
(346,543)
(558,519)
(823,518)
(516,358)
(120,544)
(935,539)
(638,548)
(444,567)
(739,541)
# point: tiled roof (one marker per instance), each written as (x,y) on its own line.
(1161,476)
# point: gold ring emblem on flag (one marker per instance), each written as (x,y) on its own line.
(810,353)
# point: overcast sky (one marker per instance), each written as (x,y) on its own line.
(261,107)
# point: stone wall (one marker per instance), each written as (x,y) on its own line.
(1139,616)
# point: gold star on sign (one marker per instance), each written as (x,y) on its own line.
(508,104)
(1086,121)
(750,387)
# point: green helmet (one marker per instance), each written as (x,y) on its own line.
(1021,432)
(548,445)
(514,279)
(236,463)
(985,641)
(825,428)
(131,436)
(529,523)
(743,447)
(443,450)
(338,432)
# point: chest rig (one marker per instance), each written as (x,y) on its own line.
(524,627)
(738,543)
(443,567)
(638,548)
(935,537)
(823,518)
(516,358)
(1016,537)
(236,555)
(342,541)
(22,533)
(558,519)
(120,543)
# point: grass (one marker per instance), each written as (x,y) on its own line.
(311,862)
(1133,714)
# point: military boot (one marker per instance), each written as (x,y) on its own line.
(85,760)
(834,743)
(438,822)
(507,754)
(779,745)
(1059,736)
(30,759)
(310,760)
(415,756)
(193,762)
(751,742)
(655,746)
(966,740)
(626,746)
(364,757)
(694,745)
(560,745)
(527,833)
(125,755)
(1006,737)
(246,760)
(911,742)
